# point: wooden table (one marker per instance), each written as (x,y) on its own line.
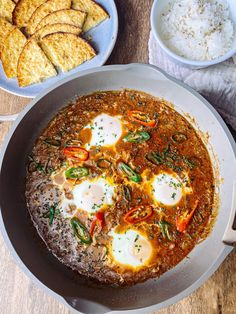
(18,295)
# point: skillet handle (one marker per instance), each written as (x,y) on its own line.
(8,117)
(86,306)
(229,236)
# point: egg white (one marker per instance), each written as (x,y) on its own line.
(130,248)
(90,196)
(167,189)
(106,130)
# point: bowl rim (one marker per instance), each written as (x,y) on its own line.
(173,55)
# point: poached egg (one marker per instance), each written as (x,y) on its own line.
(106,130)
(89,196)
(130,248)
(167,189)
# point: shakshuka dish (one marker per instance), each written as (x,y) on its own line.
(120,187)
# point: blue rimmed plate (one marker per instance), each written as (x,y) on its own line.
(103,40)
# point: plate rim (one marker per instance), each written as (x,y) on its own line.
(99,64)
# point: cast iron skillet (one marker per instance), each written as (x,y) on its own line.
(23,240)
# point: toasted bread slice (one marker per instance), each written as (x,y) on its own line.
(12,48)
(6,9)
(5,28)
(55,28)
(43,10)
(67,51)
(96,14)
(33,65)
(23,11)
(69,16)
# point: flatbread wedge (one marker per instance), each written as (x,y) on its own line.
(55,28)
(12,48)
(96,14)
(5,29)
(69,16)
(6,9)
(43,10)
(67,51)
(33,65)
(23,11)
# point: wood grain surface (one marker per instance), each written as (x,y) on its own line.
(18,295)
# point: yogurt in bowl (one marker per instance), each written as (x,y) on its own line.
(195,33)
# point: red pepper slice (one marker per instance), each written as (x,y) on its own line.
(98,219)
(183,221)
(76,153)
(138,214)
(141,117)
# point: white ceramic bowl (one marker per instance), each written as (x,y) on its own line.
(157,9)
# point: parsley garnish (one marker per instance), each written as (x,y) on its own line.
(51,212)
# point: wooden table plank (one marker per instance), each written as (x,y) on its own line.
(18,294)
(134,28)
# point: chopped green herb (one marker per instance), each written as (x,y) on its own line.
(136,238)
(189,163)
(173,196)
(37,166)
(51,212)
(164,226)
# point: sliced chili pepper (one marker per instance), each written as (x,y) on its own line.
(179,137)
(155,158)
(130,173)
(76,172)
(137,137)
(81,231)
(127,193)
(138,214)
(53,142)
(98,219)
(142,118)
(183,221)
(76,153)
